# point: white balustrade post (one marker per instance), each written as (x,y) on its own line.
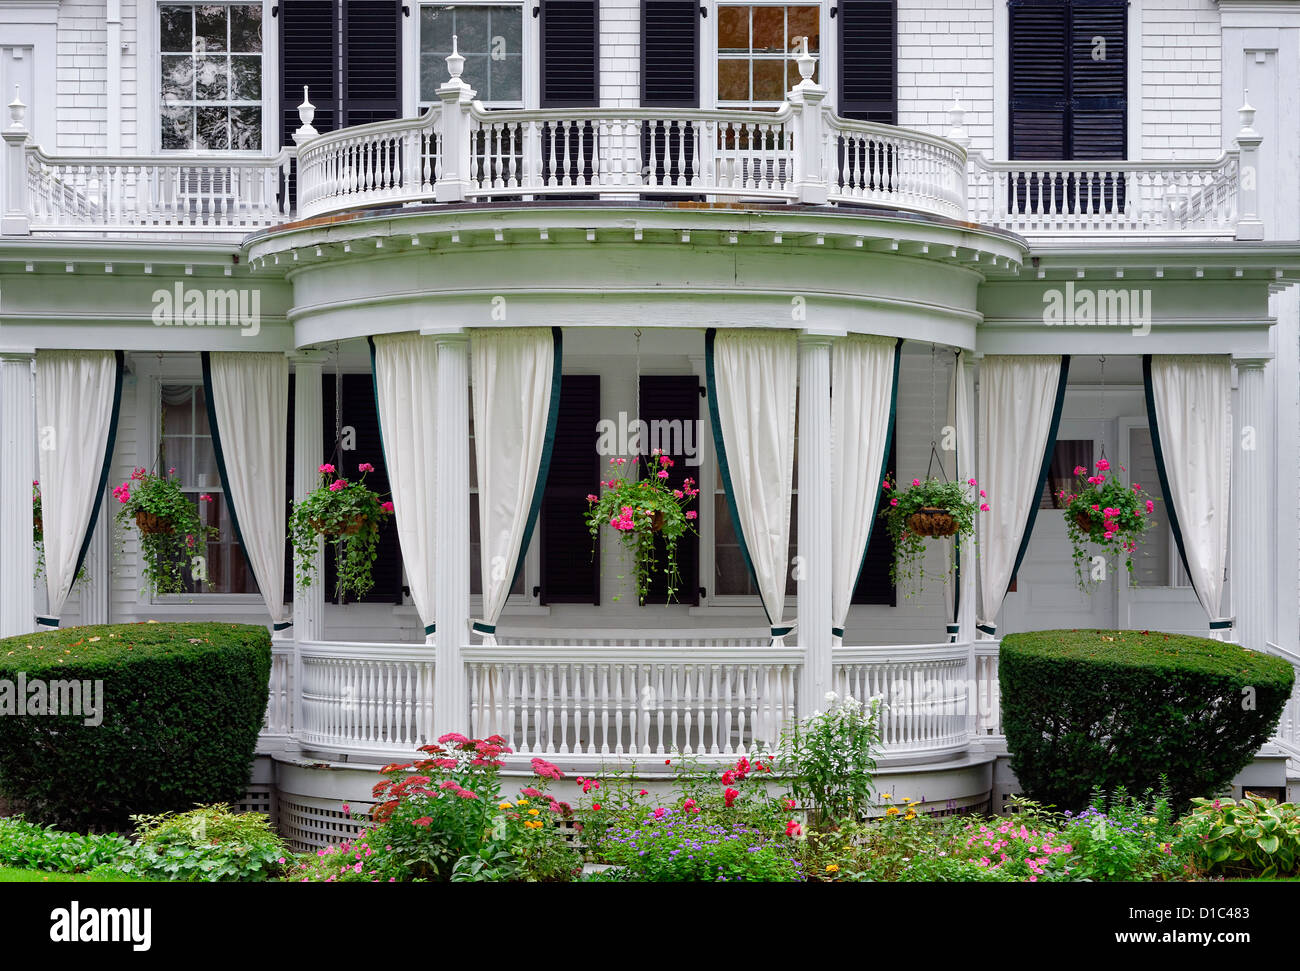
(306,115)
(814,549)
(806,98)
(14,219)
(957,133)
(451,535)
(17,470)
(308,454)
(456,96)
(1249,225)
(1253,534)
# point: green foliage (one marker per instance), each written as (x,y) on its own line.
(182,705)
(164,556)
(350,514)
(1252,837)
(829,760)
(1088,708)
(209,843)
(642,512)
(32,847)
(954,498)
(1133,839)
(1116,516)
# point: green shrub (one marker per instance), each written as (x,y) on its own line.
(1253,837)
(182,705)
(28,846)
(1089,708)
(208,843)
(1131,840)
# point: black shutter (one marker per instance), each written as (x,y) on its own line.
(359,412)
(1040,82)
(372,61)
(1098,99)
(868,56)
(670,53)
(288,498)
(675,399)
(570,46)
(308,57)
(570,573)
(873,582)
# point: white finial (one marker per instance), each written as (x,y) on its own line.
(17,111)
(455,61)
(957,119)
(807,63)
(1246,113)
(306,114)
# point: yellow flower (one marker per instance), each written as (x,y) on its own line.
(523,802)
(891,811)
(532,812)
(832,868)
(885,795)
(503,805)
(533,824)
(910,815)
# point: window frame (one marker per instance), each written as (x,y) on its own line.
(150,80)
(828,65)
(531,71)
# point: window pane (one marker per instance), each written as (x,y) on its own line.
(177,126)
(246,128)
(210,27)
(210,78)
(769,30)
(491,40)
(733,80)
(733,29)
(506,81)
(805,22)
(435,29)
(507,31)
(246,29)
(769,80)
(212,133)
(472,29)
(178,78)
(246,79)
(174,28)
(177,410)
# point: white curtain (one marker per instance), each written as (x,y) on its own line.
(75,395)
(250,401)
(1017,401)
(406,383)
(862,382)
(754,381)
(1192,397)
(513,384)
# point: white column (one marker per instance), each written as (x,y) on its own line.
(14,220)
(308,453)
(966,469)
(814,549)
(1251,536)
(17,470)
(451,540)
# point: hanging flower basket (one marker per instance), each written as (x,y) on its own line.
(1106,513)
(38,526)
(171,530)
(932,521)
(349,513)
(644,512)
(932,509)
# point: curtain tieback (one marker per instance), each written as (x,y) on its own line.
(283,625)
(48,621)
(430,629)
(837,632)
(954,631)
(1222,623)
(782,631)
(483,627)
(990,629)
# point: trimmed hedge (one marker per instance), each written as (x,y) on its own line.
(182,706)
(1087,708)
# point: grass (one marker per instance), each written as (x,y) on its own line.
(16,875)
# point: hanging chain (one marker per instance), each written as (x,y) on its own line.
(160,460)
(637,382)
(338,407)
(1101,405)
(934,422)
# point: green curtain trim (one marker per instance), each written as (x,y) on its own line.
(430,629)
(989,629)
(781,631)
(107,467)
(884,462)
(956,540)
(837,631)
(48,621)
(1154,426)
(548,447)
(374,388)
(1046,467)
(1221,625)
(283,625)
(481,628)
(221,459)
(724,470)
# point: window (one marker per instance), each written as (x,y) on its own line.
(211,76)
(186,446)
(754,46)
(491,38)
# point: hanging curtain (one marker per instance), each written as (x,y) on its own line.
(516,391)
(1021,398)
(248,415)
(1189,409)
(958,465)
(77,398)
(864,383)
(405,369)
(752,383)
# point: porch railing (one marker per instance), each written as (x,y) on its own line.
(883,165)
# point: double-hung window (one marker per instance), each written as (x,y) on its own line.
(755,43)
(210,76)
(490,36)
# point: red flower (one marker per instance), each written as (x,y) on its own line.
(793,829)
(742,768)
(668,761)
(789,804)
(730,796)
(546,770)
(689,805)
(643,793)
(424,821)
(531,793)
(466,794)
(454,737)
(596,806)
(728,777)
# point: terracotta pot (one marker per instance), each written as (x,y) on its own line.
(38,526)
(148,523)
(353,526)
(932,521)
(657,520)
(1084,522)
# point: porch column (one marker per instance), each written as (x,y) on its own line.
(813,563)
(308,454)
(451,535)
(1252,525)
(17,470)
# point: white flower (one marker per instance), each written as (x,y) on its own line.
(831,697)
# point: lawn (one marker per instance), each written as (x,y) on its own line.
(15,875)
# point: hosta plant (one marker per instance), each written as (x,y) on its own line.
(929,509)
(168,521)
(1251,837)
(641,511)
(348,513)
(1104,512)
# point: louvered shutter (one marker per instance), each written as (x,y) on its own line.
(868,57)
(569,572)
(372,61)
(288,496)
(361,413)
(1040,82)
(1098,76)
(670,53)
(873,582)
(674,400)
(308,57)
(570,47)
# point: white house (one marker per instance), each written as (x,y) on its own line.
(1006,234)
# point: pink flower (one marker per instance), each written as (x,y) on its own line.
(663,474)
(448,784)
(893,502)
(1080,469)
(1109,534)
(793,829)
(325,468)
(689,805)
(1151,506)
(424,821)
(386,506)
(730,796)
(984,507)
(970,482)
(885,484)
(347,808)
(916,482)
(546,770)
(365,467)
(591,498)
(454,738)
(660,812)
(982,495)
(690,514)
(531,793)
(643,792)
(204,497)
(789,804)
(338,484)
(172,470)
(1102,465)
(1136,487)
(466,794)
